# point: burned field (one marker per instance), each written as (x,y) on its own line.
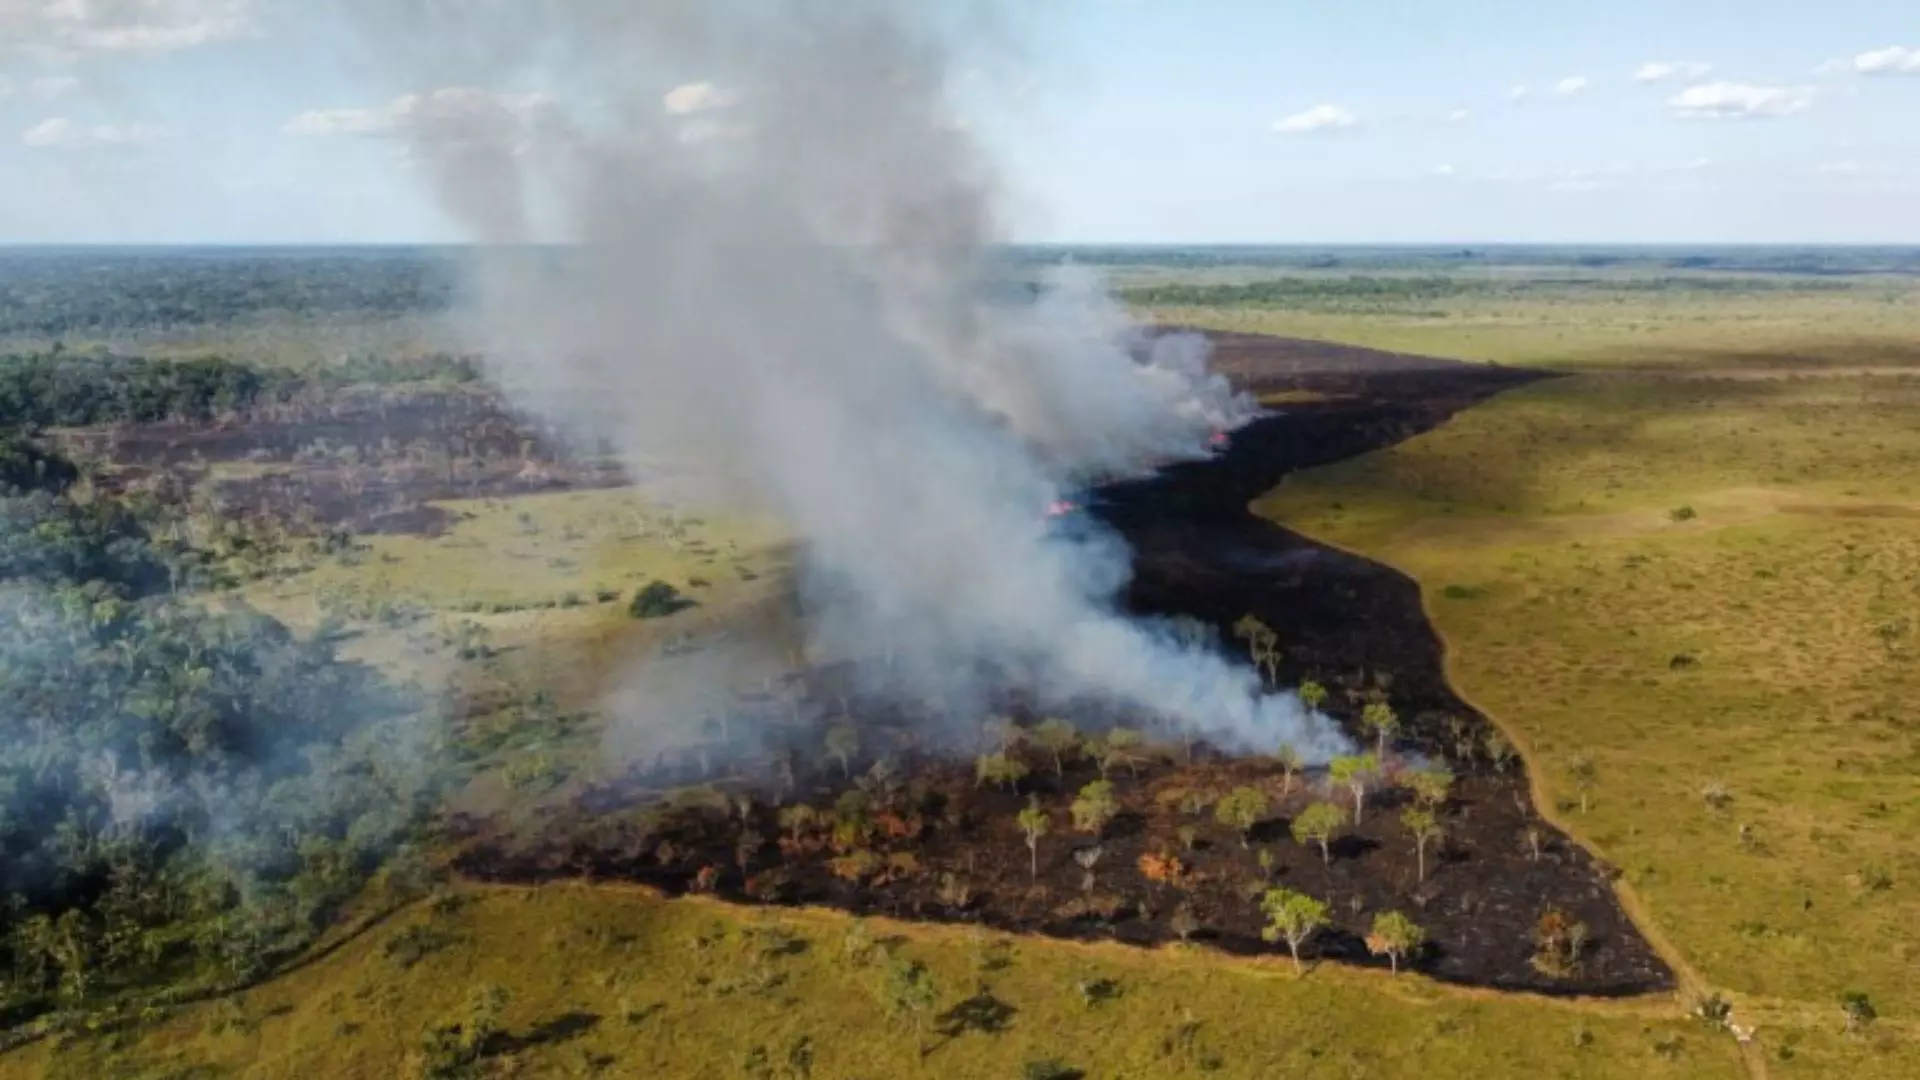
(365,460)
(1098,826)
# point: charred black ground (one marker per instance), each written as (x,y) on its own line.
(895,827)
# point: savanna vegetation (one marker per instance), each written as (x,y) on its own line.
(1682,576)
(309,608)
(1858,309)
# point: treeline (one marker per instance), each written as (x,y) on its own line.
(80,292)
(1297,291)
(1360,291)
(188,790)
(26,465)
(1444,259)
(66,389)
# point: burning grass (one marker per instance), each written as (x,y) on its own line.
(1124,842)
(859,812)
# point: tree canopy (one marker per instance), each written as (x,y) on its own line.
(187,788)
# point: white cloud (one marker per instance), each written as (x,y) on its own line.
(452,114)
(1443,170)
(698,131)
(1612,175)
(1840,168)
(1320,118)
(1739,101)
(48,87)
(1578,180)
(66,28)
(326,122)
(696,97)
(1661,70)
(1458,116)
(1696,164)
(1571,85)
(1892,60)
(1518,94)
(60,133)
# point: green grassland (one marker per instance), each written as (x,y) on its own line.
(529,593)
(503,559)
(526,599)
(1699,322)
(1702,578)
(613,982)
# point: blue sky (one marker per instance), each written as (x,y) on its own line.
(1127,120)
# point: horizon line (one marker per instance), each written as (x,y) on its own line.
(217,245)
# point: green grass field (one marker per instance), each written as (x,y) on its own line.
(507,557)
(1871,324)
(612,982)
(1702,578)
(542,582)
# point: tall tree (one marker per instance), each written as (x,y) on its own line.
(1263,645)
(1292,917)
(1095,807)
(1035,824)
(1395,936)
(797,820)
(1431,786)
(1425,829)
(1289,761)
(1241,809)
(1116,748)
(1312,695)
(1057,737)
(1354,773)
(1380,719)
(1002,769)
(1317,824)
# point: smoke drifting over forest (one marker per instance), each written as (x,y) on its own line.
(779,271)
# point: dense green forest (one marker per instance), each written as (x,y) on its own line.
(188,790)
(60,292)
(1442,258)
(80,294)
(64,389)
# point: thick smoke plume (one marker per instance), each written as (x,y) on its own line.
(777,268)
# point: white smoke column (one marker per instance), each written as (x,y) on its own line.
(778,271)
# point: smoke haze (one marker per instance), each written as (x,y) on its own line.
(777,271)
